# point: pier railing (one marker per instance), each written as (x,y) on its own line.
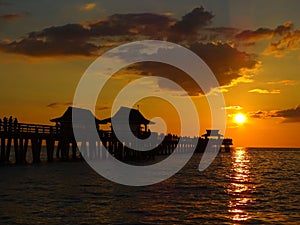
(29,129)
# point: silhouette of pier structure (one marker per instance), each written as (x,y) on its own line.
(20,135)
(16,139)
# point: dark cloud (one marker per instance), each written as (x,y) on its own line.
(289,115)
(148,24)
(264,33)
(85,39)
(284,39)
(13,16)
(225,61)
(288,42)
(90,38)
(70,39)
(260,33)
(66,32)
(189,27)
(93,37)
(194,20)
(59,104)
(259,114)
(34,47)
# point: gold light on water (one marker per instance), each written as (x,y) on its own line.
(240,187)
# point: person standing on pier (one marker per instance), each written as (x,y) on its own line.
(5,123)
(15,124)
(10,121)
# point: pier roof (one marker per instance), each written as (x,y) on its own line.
(67,116)
(135,116)
(212,133)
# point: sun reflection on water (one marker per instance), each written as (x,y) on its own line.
(241,186)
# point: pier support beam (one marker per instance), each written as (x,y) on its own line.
(24,151)
(2,155)
(74,150)
(17,152)
(8,147)
(50,149)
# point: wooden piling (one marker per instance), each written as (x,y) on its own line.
(17,153)
(2,155)
(8,147)
(25,147)
(21,146)
(74,150)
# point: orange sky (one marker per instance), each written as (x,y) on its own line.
(254,51)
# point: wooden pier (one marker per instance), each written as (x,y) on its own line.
(16,139)
(21,135)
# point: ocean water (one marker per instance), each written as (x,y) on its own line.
(246,186)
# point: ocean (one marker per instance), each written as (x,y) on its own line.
(246,186)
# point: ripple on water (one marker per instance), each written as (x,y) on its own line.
(243,187)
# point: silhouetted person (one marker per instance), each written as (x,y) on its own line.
(15,124)
(0,124)
(10,121)
(5,123)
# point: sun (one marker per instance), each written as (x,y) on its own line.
(240,118)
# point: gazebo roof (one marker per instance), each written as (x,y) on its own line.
(67,116)
(212,133)
(135,116)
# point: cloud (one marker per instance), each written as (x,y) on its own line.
(288,42)
(234,107)
(289,38)
(260,114)
(283,82)
(59,104)
(13,16)
(148,24)
(283,39)
(194,20)
(264,33)
(226,62)
(88,6)
(249,35)
(289,115)
(70,39)
(90,38)
(100,108)
(191,26)
(264,91)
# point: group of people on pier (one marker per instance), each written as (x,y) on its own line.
(8,124)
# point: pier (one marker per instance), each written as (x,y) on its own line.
(17,139)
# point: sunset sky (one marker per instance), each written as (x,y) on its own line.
(253,48)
